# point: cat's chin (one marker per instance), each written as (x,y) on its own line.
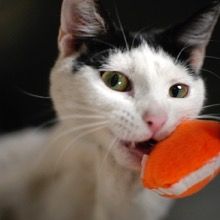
(126,153)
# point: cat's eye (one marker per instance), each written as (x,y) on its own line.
(179,91)
(116,81)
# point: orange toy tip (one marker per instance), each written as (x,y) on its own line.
(185,162)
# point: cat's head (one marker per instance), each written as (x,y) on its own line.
(125,89)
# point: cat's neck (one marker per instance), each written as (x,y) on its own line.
(119,191)
(88,149)
(110,172)
(108,189)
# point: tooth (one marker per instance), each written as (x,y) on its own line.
(133,145)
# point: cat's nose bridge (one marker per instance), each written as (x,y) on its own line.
(155,122)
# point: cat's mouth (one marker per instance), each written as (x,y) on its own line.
(140,148)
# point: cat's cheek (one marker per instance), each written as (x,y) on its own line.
(127,125)
(115,149)
(127,159)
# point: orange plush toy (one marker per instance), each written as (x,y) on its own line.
(186,161)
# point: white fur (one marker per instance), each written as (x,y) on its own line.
(152,74)
(88,20)
(91,175)
(15,147)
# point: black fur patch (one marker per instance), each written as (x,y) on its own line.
(195,32)
(98,48)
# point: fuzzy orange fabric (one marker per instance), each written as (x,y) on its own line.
(186,161)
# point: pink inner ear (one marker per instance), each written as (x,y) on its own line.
(197,58)
(79,18)
(71,18)
(66,43)
(66,35)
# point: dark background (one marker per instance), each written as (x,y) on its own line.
(28,34)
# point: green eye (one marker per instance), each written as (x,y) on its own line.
(116,81)
(179,91)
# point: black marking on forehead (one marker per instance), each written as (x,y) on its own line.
(99,48)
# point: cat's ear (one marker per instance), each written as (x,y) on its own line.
(193,35)
(80,19)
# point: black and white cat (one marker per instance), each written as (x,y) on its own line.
(115,94)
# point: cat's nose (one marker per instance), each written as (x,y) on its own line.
(155,122)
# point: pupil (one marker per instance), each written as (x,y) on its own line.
(114,80)
(176,90)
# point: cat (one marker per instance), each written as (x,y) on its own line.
(116,94)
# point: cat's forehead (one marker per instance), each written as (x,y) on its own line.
(101,47)
(145,64)
(128,52)
(140,58)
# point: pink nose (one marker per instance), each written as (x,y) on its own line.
(154,122)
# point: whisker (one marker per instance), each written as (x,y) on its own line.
(81,106)
(45,124)
(78,116)
(212,57)
(99,53)
(121,27)
(67,117)
(214,41)
(79,128)
(110,147)
(137,34)
(104,42)
(213,117)
(180,53)
(211,72)
(75,140)
(211,106)
(65,133)
(34,95)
